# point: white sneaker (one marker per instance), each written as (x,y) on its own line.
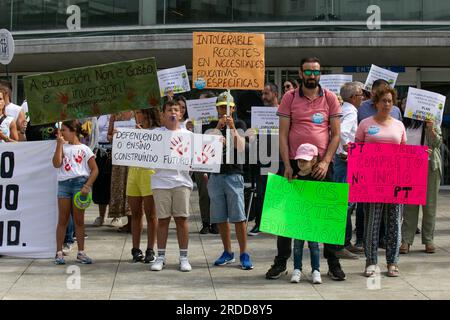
(159,263)
(117,222)
(316,278)
(67,247)
(98,222)
(296,275)
(185,266)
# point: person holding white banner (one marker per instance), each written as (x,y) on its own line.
(77,172)
(139,191)
(13,110)
(172,191)
(226,189)
(8,129)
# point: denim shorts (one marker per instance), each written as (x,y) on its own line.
(68,188)
(226,193)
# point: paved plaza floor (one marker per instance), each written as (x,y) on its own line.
(113,276)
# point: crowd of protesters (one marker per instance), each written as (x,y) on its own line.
(315,131)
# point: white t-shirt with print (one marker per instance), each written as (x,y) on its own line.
(169,179)
(75,162)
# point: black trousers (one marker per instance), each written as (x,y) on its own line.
(284,245)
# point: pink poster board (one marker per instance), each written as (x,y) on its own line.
(387,173)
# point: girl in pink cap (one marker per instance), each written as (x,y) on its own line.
(307,157)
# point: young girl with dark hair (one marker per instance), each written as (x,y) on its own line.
(77,172)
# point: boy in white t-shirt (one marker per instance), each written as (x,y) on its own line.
(77,172)
(171,192)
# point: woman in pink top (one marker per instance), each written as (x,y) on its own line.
(382,128)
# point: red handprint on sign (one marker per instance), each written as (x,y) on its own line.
(178,145)
(79,157)
(207,153)
(66,163)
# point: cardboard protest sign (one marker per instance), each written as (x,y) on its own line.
(203,110)
(165,149)
(173,79)
(92,91)
(228,61)
(425,105)
(265,120)
(387,173)
(305,210)
(334,82)
(376,73)
(125,124)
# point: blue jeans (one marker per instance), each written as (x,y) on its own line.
(314,252)
(340,175)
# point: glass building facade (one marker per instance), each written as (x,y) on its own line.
(32,15)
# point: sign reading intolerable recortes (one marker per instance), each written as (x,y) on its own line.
(228,61)
(92,91)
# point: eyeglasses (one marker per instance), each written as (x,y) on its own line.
(311,72)
(288,86)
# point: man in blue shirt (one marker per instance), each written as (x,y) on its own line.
(367,109)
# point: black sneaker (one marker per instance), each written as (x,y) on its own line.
(276,271)
(149,256)
(137,255)
(336,273)
(214,229)
(205,228)
(254,231)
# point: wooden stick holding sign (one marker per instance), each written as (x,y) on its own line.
(228,143)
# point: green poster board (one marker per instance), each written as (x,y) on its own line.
(92,91)
(305,210)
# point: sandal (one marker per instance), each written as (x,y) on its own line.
(370,270)
(392,270)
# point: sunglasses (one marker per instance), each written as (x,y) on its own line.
(311,72)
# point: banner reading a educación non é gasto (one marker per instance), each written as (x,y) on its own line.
(92,91)
(228,60)
(28,203)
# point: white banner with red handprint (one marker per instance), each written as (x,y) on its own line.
(28,202)
(207,153)
(164,149)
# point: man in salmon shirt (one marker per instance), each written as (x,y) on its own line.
(309,114)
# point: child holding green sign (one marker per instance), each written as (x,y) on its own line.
(307,157)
